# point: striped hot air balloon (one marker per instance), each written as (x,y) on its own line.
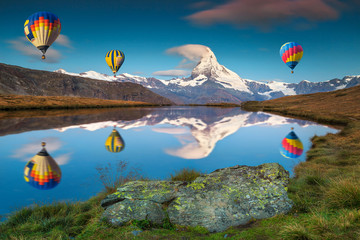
(42,29)
(291,53)
(114,143)
(291,146)
(42,172)
(114,59)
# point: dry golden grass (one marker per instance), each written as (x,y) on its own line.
(337,107)
(15,102)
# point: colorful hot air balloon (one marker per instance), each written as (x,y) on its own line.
(291,146)
(291,53)
(114,143)
(115,59)
(42,29)
(42,171)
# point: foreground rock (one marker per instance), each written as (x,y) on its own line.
(224,198)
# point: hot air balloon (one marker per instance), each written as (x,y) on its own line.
(114,143)
(291,146)
(42,172)
(42,29)
(115,59)
(291,53)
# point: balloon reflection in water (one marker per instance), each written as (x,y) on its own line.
(291,146)
(114,143)
(42,171)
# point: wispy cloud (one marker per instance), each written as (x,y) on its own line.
(63,159)
(64,41)
(191,54)
(266,14)
(24,47)
(171,130)
(171,73)
(200,4)
(27,151)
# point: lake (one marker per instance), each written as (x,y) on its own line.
(157,142)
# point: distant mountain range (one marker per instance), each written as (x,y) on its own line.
(211,82)
(23,81)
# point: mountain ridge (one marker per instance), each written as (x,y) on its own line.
(211,82)
(22,81)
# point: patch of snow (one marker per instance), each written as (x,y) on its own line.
(281,87)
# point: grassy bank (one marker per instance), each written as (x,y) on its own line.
(325,190)
(336,108)
(22,102)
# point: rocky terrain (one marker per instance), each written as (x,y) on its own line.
(22,81)
(224,198)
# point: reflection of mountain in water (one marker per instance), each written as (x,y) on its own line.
(198,129)
(12,122)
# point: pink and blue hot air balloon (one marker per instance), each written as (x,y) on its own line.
(291,53)
(291,146)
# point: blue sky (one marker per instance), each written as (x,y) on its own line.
(245,36)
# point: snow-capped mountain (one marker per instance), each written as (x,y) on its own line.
(211,82)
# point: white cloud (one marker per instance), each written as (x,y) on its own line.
(191,54)
(27,151)
(171,130)
(24,47)
(171,73)
(63,159)
(64,41)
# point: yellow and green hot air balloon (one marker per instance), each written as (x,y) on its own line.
(42,172)
(42,29)
(114,143)
(115,59)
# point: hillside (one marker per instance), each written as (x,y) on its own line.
(17,102)
(21,81)
(338,107)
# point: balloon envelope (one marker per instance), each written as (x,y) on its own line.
(42,29)
(115,59)
(291,146)
(42,171)
(291,53)
(114,143)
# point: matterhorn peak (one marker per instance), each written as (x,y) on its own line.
(208,67)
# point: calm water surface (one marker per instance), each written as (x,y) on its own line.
(158,141)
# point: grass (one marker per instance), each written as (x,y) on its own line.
(325,189)
(113,175)
(22,102)
(185,174)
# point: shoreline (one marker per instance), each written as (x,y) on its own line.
(29,102)
(325,188)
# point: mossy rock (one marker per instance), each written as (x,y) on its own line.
(224,198)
